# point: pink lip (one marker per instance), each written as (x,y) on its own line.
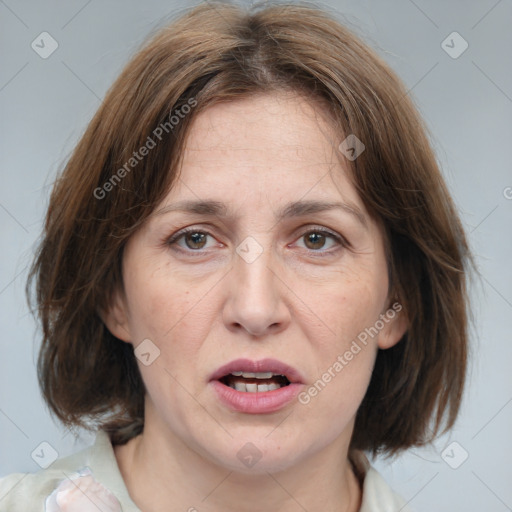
(257,403)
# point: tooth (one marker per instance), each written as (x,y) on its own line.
(254,388)
(264,375)
(236,374)
(240,386)
(248,375)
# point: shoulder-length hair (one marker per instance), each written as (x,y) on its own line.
(110,185)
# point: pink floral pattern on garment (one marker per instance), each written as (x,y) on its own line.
(82,493)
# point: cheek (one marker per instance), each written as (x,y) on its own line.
(173,312)
(346,355)
(346,308)
(344,305)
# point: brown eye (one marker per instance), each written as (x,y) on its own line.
(314,240)
(197,239)
(193,240)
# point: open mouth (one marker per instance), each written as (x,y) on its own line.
(248,382)
(261,386)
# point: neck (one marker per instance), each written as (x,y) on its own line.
(163,473)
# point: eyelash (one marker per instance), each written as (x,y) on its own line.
(341,241)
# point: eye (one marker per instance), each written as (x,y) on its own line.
(195,239)
(315,240)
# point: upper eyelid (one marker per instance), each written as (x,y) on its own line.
(303,230)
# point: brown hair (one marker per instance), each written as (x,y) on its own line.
(219,52)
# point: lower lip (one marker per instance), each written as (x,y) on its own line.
(256,403)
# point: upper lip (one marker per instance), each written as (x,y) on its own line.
(260,366)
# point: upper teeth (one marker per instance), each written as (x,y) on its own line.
(250,375)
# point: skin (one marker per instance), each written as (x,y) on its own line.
(202,311)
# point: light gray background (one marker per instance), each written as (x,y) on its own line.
(467,103)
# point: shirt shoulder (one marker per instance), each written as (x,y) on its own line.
(24,492)
(377,495)
(28,491)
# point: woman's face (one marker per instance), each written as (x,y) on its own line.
(265,277)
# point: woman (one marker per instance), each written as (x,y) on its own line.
(251,274)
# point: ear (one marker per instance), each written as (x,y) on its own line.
(396,324)
(115,317)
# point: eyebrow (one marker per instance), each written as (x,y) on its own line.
(214,208)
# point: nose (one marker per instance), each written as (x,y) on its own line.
(256,296)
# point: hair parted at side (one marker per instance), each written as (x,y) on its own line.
(221,52)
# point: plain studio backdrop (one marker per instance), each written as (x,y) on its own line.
(455,60)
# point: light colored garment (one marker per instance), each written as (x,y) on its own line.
(94,471)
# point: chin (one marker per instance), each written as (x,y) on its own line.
(257,454)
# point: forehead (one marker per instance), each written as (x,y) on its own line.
(276,147)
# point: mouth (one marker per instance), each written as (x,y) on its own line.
(256,387)
(247,373)
(248,382)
